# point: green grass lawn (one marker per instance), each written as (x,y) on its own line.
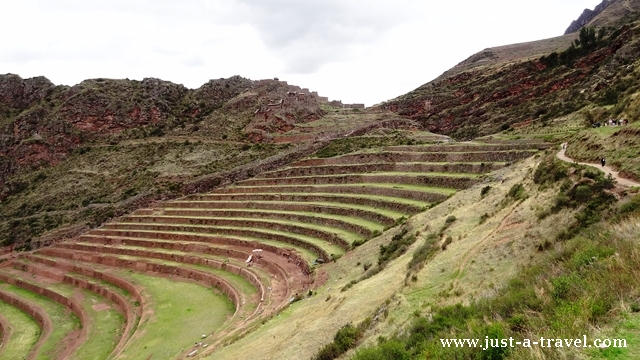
(238,282)
(105,323)
(182,312)
(104,331)
(628,330)
(62,319)
(25,332)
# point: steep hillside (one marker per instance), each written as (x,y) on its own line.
(254,219)
(491,92)
(72,157)
(42,124)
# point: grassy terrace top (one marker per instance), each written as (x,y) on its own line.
(383,173)
(384,163)
(347,235)
(426,189)
(436,151)
(389,213)
(470,147)
(244,212)
(443,191)
(308,255)
(327,246)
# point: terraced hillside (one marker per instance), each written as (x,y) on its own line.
(139,287)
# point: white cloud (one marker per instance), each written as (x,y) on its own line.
(357,51)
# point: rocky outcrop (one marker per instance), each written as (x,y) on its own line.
(587,16)
(489,99)
(41,123)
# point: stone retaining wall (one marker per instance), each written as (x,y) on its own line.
(367,190)
(170,245)
(217,208)
(379,167)
(300,218)
(60,299)
(310,197)
(405,156)
(186,259)
(435,181)
(221,240)
(243,227)
(37,313)
(141,265)
(5,332)
(189,248)
(464,148)
(125,306)
(112,279)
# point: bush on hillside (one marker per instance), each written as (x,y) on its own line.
(517,192)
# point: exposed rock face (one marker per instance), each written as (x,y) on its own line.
(485,100)
(587,16)
(41,123)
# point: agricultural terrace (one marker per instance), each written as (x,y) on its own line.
(203,270)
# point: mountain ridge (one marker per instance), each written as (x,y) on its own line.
(588,15)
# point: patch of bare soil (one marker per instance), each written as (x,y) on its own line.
(101,307)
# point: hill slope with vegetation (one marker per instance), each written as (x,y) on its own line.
(135,210)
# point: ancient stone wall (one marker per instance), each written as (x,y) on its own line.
(125,306)
(469,148)
(221,240)
(401,193)
(186,259)
(37,313)
(245,228)
(382,167)
(190,209)
(243,220)
(56,297)
(489,156)
(439,181)
(388,205)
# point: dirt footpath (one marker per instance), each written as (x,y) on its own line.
(606,169)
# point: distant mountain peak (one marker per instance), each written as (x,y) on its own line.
(587,16)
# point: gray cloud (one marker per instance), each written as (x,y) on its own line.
(308,35)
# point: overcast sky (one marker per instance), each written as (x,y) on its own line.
(355,51)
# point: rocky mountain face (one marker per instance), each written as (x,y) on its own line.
(488,99)
(588,15)
(41,123)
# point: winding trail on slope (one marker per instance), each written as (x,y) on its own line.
(606,169)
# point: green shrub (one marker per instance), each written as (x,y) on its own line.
(346,338)
(446,243)
(398,246)
(484,218)
(422,253)
(485,190)
(550,172)
(517,192)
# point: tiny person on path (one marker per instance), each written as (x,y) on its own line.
(602,161)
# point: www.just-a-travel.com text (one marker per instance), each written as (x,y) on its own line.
(488,343)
